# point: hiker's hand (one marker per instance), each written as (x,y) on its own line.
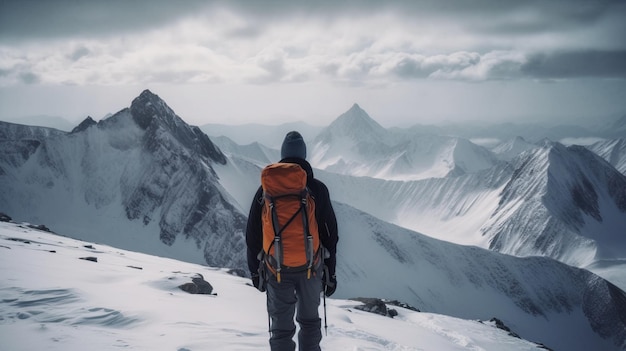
(330,285)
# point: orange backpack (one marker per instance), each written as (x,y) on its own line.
(290,232)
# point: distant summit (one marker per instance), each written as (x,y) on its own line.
(356,123)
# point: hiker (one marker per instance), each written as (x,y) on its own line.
(293,290)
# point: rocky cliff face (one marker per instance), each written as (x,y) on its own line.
(142,170)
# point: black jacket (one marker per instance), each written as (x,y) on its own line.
(324,214)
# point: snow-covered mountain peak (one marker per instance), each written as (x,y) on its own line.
(143,167)
(357,124)
(148,106)
(152,114)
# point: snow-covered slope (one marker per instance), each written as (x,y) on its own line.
(562,202)
(614,151)
(141,179)
(75,292)
(50,299)
(354,144)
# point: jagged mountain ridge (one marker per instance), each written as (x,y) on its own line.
(578,206)
(354,144)
(561,202)
(141,172)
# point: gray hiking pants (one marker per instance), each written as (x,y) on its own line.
(294,293)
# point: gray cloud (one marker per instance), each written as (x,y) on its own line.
(28,78)
(24,19)
(33,19)
(350,42)
(79,53)
(576,64)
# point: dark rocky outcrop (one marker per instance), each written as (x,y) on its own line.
(197,286)
(375,305)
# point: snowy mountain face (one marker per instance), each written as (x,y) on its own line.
(354,144)
(561,202)
(141,179)
(571,206)
(545,300)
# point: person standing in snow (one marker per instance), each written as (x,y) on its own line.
(294,291)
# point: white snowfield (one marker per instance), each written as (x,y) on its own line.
(51,299)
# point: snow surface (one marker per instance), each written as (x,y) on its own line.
(50,299)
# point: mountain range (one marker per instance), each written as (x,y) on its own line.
(144,180)
(519,198)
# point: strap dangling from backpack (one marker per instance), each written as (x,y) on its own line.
(308,238)
(278,245)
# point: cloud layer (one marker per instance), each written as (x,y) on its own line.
(265,42)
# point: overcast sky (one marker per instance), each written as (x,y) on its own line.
(236,62)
